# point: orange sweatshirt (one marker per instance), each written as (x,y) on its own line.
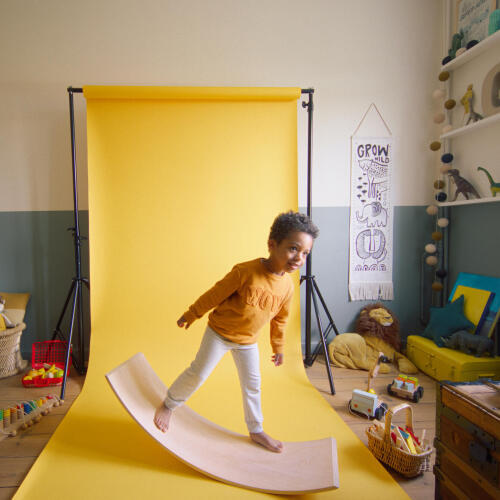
(247,298)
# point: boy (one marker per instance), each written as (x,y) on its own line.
(250,295)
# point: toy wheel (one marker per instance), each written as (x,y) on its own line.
(416,396)
(389,390)
(421,392)
(381,411)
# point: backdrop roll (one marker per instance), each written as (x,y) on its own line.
(184,183)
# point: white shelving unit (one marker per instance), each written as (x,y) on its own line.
(485,122)
(481,47)
(473,201)
(490,43)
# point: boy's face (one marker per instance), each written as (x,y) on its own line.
(291,253)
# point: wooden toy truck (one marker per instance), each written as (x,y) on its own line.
(406,387)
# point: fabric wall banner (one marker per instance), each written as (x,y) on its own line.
(371,219)
(183,184)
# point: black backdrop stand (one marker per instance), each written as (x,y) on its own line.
(312,289)
(77,282)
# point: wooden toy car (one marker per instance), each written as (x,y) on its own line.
(367,403)
(406,387)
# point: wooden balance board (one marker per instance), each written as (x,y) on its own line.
(307,466)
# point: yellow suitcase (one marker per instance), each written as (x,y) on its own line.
(442,363)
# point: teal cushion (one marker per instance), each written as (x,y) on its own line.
(447,320)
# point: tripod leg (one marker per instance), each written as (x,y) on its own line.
(57,330)
(331,324)
(328,368)
(323,303)
(81,329)
(68,348)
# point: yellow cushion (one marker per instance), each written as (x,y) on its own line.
(15,306)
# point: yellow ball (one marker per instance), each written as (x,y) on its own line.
(450,104)
(437,236)
(439,184)
(443,76)
(436,286)
(435,145)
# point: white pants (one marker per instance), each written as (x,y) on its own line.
(212,348)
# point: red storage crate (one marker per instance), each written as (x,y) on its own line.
(52,352)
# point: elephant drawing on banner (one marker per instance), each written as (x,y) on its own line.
(371,243)
(373,214)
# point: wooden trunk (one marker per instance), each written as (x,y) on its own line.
(467,440)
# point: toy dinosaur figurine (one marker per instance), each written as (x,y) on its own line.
(456,43)
(466,102)
(470,344)
(463,185)
(494,186)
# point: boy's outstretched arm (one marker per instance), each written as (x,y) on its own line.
(211,298)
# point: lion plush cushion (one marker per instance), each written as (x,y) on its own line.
(349,350)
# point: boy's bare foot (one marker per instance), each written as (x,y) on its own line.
(162,418)
(267,441)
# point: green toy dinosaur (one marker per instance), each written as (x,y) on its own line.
(494,186)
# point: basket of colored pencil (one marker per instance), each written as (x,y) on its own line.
(398,447)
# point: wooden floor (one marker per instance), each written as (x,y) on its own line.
(424,412)
(17,454)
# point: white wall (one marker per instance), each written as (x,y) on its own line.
(353,53)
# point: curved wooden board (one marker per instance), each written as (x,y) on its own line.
(302,467)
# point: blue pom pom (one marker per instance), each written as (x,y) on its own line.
(441,197)
(446,60)
(447,158)
(471,44)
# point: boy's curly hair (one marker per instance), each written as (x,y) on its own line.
(290,222)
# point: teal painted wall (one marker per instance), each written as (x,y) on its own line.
(37,256)
(475,239)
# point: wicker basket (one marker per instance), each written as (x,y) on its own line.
(11,361)
(407,464)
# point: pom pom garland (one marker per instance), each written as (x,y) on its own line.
(450,104)
(432,210)
(441,196)
(443,76)
(437,236)
(444,169)
(446,129)
(439,184)
(439,117)
(447,158)
(435,145)
(460,51)
(438,94)
(431,260)
(430,248)
(441,273)
(436,286)
(443,222)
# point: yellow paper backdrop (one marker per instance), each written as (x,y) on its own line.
(183,184)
